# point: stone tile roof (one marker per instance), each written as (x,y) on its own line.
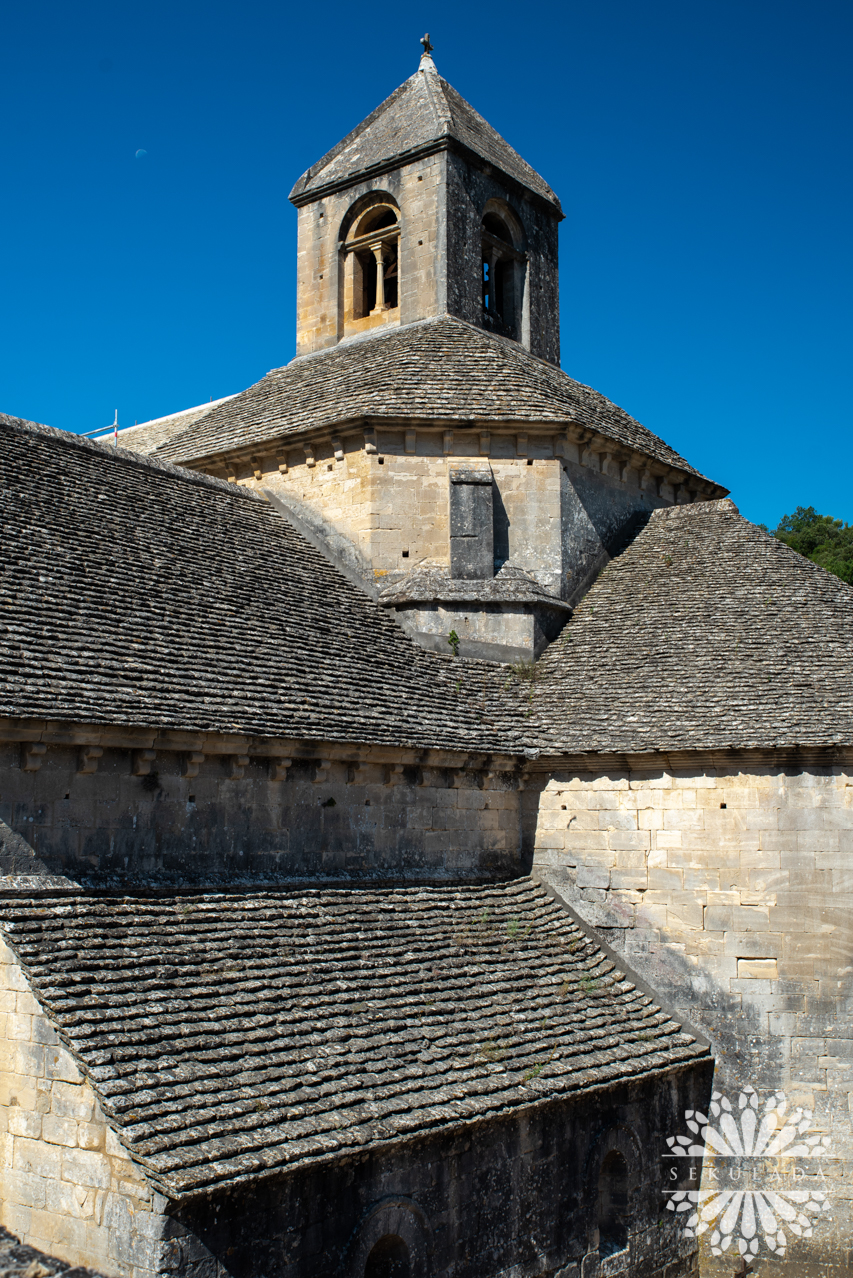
(705,632)
(146,437)
(432,585)
(423,113)
(7,419)
(231,1035)
(136,593)
(441,370)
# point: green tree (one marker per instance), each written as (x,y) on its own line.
(824,540)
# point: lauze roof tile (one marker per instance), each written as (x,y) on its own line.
(136,593)
(440,370)
(425,110)
(235,1035)
(704,633)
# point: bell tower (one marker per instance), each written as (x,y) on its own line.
(422,211)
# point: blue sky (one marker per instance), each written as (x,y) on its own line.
(701,152)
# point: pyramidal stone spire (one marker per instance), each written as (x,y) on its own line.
(425,210)
(425,112)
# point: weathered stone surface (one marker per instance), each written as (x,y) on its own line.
(428,156)
(425,109)
(183,629)
(319,1067)
(705,632)
(145,437)
(436,370)
(63,1184)
(354,818)
(20,1261)
(472,553)
(519,1195)
(305,1024)
(750,943)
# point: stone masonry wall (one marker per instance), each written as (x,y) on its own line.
(320,286)
(515,1196)
(396,511)
(231,817)
(441,199)
(469,190)
(68,1186)
(558,508)
(731,891)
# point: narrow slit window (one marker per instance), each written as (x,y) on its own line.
(501,274)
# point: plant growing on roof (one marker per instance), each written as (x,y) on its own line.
(493,1050)
(453,640)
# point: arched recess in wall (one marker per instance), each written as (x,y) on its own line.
(388,1258)
(504,269)
(613,1176)
(393,1239)
(370,244)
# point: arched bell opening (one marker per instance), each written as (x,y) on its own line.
(372,275)
(503,271)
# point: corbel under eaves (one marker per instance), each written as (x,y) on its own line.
(32,756)
(87,763)
(192,762)
(279,768)
(237,765)
(142,760)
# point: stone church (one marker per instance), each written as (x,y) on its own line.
(420,788)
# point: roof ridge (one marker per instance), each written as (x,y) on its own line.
(449,93)
(721,505)
(304,181)
(146,461)
(318,393)
(726,507)
(181,412)
(454,123)
(429,70)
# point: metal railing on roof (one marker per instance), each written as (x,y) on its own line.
(87,434)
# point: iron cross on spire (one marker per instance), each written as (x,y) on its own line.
(428,48)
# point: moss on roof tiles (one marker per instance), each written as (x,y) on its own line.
(229,1034)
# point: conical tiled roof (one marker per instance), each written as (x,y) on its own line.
(424,114)
(439,370)
(705,634)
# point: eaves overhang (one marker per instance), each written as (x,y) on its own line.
(310,195)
